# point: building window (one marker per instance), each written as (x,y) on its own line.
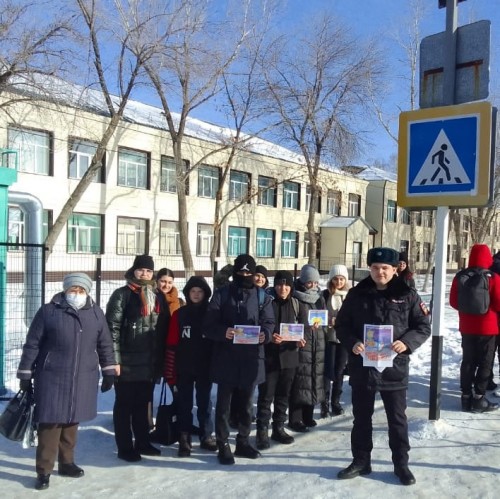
(405,216)
(265,243)
(205,239)
(404,246)
(81,153)
(426,252)
(291,196)
(35,150)
(168,175)
(84,233)
(418,218)
(132,236)
(238,186)
(133,167)
(170,241)
(267,191)
(354,205)
(237,241)
(289,244)
(16,228)
(391,211)
(208,181)
(309,198)
(333,199)
(427,219)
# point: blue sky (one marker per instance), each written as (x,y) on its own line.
(383,19)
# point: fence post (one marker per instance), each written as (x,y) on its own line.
(98,280)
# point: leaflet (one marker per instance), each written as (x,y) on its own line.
(291,332)
(378,352)
(319,317)
(246,335)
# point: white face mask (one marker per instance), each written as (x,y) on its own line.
(76,300)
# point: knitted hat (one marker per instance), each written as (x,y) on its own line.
(309,273)
(143,262)
(338,270)
(403,257)
(244,263)
(260,269)
(283,277)
(77,279)
(383,255)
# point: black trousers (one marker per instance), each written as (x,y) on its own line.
(275,389)
(363,403)
(130,413)
(478,351)
(186,385)
(223,406)
(55,440)
(497,350)
(336,357)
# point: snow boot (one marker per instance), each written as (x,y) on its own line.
(483,405)
(324,410)
(262,437)
(244,449)
(225,455)
(466,401)
(280,435)
(184,444)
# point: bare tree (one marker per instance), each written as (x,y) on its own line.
(130,32)
(319,79)
(187,73)
(33,46)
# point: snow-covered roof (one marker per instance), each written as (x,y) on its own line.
(372,173)
(344,222)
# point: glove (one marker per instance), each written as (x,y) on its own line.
(107,383)
(25,385)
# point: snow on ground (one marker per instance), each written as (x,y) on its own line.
(456,456)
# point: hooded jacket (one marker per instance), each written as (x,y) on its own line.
(486,324)
(188,351)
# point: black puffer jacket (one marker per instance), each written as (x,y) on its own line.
(308,385)
(398,305)
(286,354)
(138,345)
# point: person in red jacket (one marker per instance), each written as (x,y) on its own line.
(478,337)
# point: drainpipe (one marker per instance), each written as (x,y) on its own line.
(33,282)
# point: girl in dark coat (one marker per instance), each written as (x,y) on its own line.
(66,342)
(404,272)
(308,386)
(188,364)
(132,314)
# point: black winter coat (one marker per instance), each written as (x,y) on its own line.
(308,386)
(63,350)
(286,354)
(398,305)
(138,345)
(237,365)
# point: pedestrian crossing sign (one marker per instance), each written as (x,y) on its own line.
(445,156)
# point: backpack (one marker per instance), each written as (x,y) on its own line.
(473,290)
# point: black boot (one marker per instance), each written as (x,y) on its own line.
(225,456)
(466,401)
(405,475)
(244,449)
(184,444)
(280,435)
(337,409)
(353,470)
(208,443)
(324,410)
(262,437)
(42,482)
(71,470)
(483,405)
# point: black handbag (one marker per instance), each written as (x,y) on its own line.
(17,416)
(166,430)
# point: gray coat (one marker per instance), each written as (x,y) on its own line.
(63,350)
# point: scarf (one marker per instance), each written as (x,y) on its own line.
(172,298)
(144,289)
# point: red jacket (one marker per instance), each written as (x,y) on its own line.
(487,324)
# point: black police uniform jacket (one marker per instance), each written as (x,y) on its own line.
(398,305)
(235,364)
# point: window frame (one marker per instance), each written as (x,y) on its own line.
(292,244)
(99,176)
(291,198)
(139,247)
(243,236)
(24,148)
(203,239)
(85,232)
(125,175)
(267,194)
(267,238)
(214,181)
(239,187)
